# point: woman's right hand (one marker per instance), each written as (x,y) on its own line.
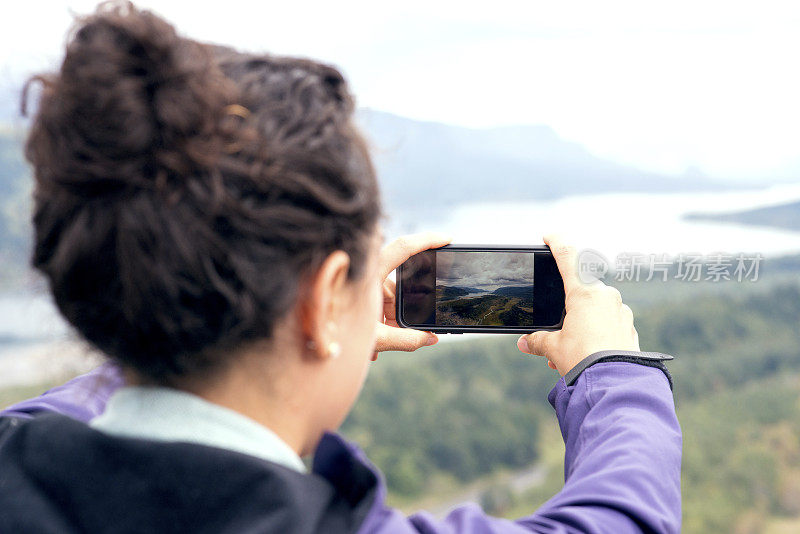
(596,318)
(390,336)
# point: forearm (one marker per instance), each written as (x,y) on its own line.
(622,462)
(81,398)
(623,453)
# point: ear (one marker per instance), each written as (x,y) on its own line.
(323,303)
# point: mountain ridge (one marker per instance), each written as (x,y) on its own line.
(785,216)
(425,166)
(514,291)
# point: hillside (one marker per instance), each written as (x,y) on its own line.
(443,417)
(523,292)
(448,292)
(471,289)
(785,216)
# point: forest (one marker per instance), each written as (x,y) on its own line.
(442,419)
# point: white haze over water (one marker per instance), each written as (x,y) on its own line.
(28,316)
(629,223)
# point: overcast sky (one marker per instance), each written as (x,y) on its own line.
(661,85)
(484,270)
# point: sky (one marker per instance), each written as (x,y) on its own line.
(484,270)
(664,86)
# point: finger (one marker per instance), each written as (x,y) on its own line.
(626,311)
(540,343)
(616,296)
(389,311)
(405,339)
(404,247)
(389,289)
(566,259)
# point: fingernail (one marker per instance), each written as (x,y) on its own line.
(432,339)
(522,344)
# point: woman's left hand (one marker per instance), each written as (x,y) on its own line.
(390,335)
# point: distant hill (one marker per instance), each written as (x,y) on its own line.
(785,216)
(471,289)
(448,292)
(15,186)
(451,292)
(515,291)
(13,169)
(427,168)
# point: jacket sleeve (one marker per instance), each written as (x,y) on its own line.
(82,398)
(622,462)
(623,453)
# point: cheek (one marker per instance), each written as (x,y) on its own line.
(379,301)
(374,304)
(367,311)
(373,296)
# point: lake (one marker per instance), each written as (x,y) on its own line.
(609,223)
(629,223)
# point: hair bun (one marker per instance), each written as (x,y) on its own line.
(138,104)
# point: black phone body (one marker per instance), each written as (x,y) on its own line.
(500,289)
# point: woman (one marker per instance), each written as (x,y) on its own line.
(209,219)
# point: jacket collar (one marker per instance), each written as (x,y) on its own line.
(167,414)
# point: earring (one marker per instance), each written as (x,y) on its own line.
(334,349)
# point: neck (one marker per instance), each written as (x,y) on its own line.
(279,401)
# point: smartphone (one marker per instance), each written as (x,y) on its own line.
(480,288)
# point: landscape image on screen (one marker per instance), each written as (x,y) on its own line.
(484,288)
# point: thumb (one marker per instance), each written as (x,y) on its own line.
(405,339)
(539,343)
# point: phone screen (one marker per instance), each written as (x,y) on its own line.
(480,290)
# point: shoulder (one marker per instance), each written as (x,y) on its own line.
(60,468)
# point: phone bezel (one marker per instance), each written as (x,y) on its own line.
(536,249)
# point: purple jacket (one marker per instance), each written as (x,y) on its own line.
(622,466)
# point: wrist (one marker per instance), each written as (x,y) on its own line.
(649,359)
(578,352)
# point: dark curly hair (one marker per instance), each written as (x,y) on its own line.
(183,190)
